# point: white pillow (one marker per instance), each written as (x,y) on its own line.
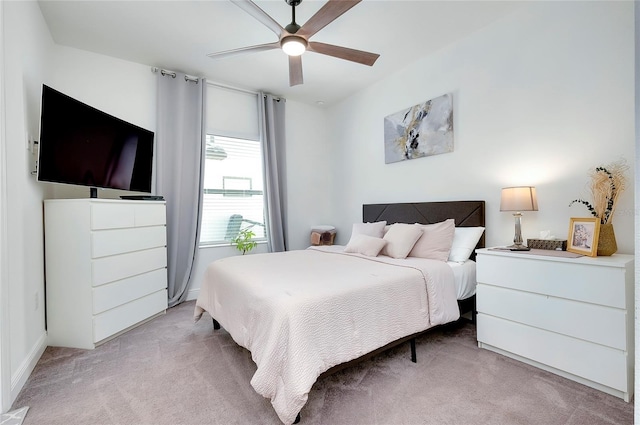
(365,245)
(370,229)
(436,240)
(400,239)
(465,240)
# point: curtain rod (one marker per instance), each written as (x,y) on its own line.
(276,98)
(226,87)
(173,74)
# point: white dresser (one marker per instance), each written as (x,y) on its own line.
(570,316)
(106,268)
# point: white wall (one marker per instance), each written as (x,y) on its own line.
(26,59)
(310,171)
(5,352)
(540,98)
(636,411)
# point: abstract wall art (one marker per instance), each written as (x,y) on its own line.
(422,130)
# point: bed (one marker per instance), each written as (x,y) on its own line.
(310,312)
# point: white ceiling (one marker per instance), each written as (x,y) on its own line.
(177,35)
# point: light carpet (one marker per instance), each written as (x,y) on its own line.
(172,371)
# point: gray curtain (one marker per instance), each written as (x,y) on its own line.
(273,164)
(180,141)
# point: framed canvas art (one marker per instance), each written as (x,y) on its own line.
(422,130)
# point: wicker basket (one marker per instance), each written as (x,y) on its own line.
(552,244)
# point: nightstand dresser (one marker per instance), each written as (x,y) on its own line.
(570,316)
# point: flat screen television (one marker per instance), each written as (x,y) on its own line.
(81,145)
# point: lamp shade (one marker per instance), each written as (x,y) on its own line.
(521,198)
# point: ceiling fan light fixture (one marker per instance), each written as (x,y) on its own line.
(293,46)
(294,39)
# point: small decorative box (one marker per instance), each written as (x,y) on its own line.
(552,244)
(323,235)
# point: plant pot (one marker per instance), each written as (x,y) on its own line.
(607,240)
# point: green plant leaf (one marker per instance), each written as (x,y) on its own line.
(244,241)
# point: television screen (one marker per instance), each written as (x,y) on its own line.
(84,146)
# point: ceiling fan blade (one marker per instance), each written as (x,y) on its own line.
(295,70)
(352,55)
(252,9)
(243,50)
(327,14)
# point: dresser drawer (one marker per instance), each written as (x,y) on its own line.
(116,267)
(150,213)
(120,318)
(591,322)
(594,362)
(578,281)
(117,215)
(113,294)
(118,241)
(112,215)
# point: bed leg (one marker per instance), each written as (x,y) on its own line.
(473,310)
(297,419)
(216,325)
(412,342)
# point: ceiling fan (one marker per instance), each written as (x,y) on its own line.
(294,39)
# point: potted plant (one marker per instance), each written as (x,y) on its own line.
(606,185)
(244,241)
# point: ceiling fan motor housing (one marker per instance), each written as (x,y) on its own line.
(292,28)
(293,3)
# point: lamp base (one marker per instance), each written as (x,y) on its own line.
(518,247)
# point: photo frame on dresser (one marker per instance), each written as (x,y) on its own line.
(583,235)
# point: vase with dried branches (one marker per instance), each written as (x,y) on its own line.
(606,185)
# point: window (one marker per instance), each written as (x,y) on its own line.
(233,190)
(233,181)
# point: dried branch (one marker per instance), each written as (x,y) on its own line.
(607,184)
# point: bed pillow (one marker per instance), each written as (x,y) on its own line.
(465,240)
(436,240)
(370,229)
(365,245)
(400,239)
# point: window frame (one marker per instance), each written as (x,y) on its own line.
(235,193)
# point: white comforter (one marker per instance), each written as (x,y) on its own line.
(300,313)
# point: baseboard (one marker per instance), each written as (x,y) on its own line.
(24,371)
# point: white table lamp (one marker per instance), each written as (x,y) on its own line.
(518,199)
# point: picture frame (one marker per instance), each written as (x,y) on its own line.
(583,236)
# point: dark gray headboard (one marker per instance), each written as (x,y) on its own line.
(465,213)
